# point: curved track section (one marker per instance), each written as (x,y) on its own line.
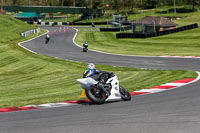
(174,111)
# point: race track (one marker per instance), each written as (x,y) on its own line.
(173,111)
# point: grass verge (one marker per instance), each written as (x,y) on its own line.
(185,43)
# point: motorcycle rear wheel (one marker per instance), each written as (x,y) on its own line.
(46,42)
(85,49)
(125,95)
(98,99)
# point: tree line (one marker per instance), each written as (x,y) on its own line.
(117,5)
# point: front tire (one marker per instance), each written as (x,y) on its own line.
(125,95)
(98,99)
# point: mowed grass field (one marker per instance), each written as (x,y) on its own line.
(27,78)
(186,43)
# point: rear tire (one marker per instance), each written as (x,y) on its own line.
(100,99)
(85,49)
(47,41)
(125,95)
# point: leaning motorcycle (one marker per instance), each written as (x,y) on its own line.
(98,96)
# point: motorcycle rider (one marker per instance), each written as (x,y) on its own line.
(47,38)
(97,75)
(85,44)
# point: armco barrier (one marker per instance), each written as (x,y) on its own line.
(29,32)
(148,35)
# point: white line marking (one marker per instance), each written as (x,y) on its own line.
(150,90)
(174,84)
(51,105)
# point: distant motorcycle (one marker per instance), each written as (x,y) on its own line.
(98,96)
(47,39)
(85,46)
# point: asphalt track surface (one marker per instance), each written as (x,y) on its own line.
(173,111)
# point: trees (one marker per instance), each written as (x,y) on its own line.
(118,5)
(194,2)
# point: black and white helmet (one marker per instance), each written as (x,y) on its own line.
(90,66)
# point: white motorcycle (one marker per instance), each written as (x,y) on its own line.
(97,95)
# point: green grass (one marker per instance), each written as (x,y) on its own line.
(155,12)
(27,78)
(186,43)
(9,27)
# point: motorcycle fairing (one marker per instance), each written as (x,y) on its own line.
(115,95)
(86,82)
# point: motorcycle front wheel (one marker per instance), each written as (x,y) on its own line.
(98,98)
(125,95)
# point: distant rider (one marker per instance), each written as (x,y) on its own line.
(48,37)
(96,75)
(85,44)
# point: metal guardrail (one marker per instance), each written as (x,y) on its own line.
(29,32)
